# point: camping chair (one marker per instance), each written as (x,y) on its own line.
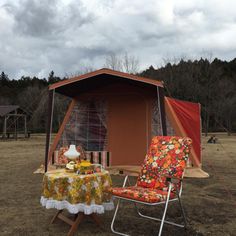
(160,180)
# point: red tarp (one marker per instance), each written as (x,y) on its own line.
(187,115)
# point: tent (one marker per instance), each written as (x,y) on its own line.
(119,113)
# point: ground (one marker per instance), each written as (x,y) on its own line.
(209,203)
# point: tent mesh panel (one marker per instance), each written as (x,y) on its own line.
(87,126)
(156,121)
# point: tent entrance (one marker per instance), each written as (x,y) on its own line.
(128,129)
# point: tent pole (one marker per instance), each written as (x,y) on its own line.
(161,105)
(49,126)
(61,129)
(199,104)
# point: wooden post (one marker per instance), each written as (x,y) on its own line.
(160,94)
(16,121)
(25,126)
(49,126)
(5,127)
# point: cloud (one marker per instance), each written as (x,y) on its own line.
(47,18)
(65,35)
(34,18)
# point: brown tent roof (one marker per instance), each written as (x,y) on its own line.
(4,110)
(71,86)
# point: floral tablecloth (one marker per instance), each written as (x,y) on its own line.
(77,193)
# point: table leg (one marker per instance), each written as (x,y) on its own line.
(96,219)
(75,224)
(55,216)
(77,220)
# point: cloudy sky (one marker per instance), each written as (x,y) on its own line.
(37,36)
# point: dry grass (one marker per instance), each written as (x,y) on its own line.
(209,203)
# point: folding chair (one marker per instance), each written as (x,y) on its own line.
(160,180)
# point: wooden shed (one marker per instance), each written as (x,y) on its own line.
(13,121)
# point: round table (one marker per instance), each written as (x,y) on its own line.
(82,195)
(77,193)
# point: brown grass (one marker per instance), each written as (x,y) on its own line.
(210,203)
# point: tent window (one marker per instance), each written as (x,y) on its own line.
(87,126)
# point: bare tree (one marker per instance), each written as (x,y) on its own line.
(130,64)
(84,69)
(113,62)
(125,63)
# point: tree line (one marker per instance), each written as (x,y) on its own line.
(211,83)
(31,94)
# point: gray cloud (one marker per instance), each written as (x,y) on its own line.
(38,36)
(34,18)
(47,18)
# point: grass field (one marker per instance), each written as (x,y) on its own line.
(210,203)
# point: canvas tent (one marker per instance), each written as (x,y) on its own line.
(119,113)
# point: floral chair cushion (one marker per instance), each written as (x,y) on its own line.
(167,156)
(141,194)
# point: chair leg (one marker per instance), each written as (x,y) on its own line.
(164,213)
(116,210)
(157,219)
(113,220)
(152,218)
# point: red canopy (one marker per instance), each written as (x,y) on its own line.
(185,119)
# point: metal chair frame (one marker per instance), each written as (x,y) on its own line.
(166,202)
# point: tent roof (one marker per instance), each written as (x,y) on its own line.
(8,109)
(4,110)
(73,86)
